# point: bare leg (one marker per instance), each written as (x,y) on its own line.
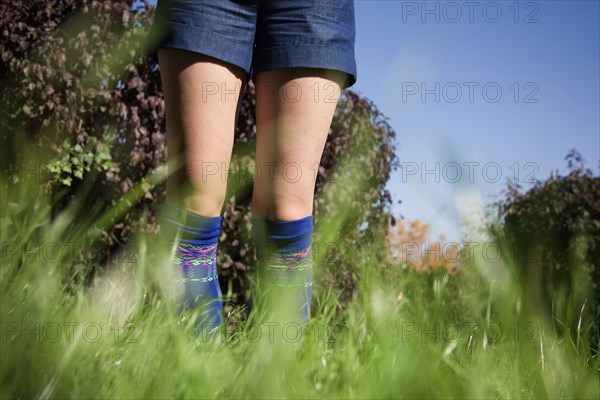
(201,98)
(294,110)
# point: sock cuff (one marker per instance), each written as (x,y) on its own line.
(284,235)
(194,227)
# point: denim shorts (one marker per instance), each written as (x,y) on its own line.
(260,35)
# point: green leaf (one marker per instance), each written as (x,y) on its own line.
(88,157)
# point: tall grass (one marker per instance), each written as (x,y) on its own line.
(405,335)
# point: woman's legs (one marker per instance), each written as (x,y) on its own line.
(201,99)
(294,110)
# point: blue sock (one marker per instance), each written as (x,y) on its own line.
(195,260)
(284,252)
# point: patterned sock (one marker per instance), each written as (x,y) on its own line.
(284,252)
(195,261)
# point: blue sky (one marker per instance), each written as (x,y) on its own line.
(517,86)
(488,90)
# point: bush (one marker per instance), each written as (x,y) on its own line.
(553,233)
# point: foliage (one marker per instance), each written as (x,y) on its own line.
(77,160)
(409,244)
(553,233)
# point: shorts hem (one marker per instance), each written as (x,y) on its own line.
(202,41)
(307,56)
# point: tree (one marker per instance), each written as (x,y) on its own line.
(409,244)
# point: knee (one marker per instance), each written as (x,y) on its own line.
(202,203)
(207,204)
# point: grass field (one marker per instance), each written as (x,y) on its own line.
(405,335)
